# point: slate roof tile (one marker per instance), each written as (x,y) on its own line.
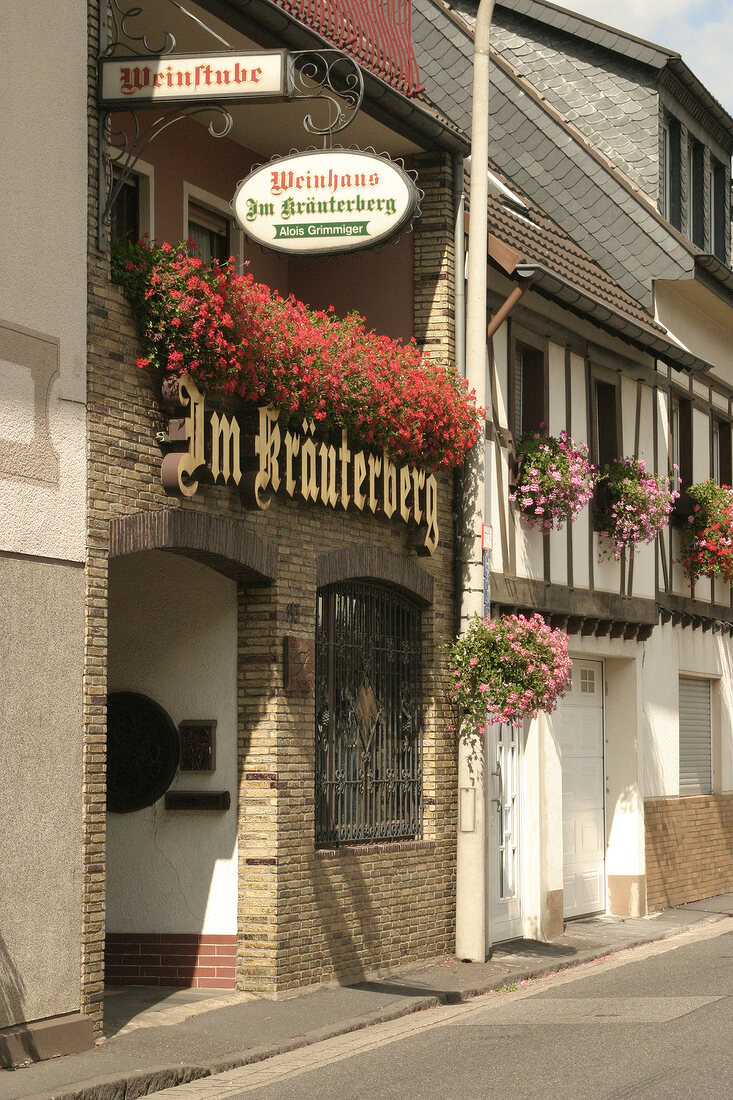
(553,165)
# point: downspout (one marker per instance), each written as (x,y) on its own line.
(504,310)
(459,262)
(471,882)
(459,298)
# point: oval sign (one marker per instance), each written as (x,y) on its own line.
(325,200)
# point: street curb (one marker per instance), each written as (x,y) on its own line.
(141,1084)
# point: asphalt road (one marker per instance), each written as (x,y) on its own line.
(653,1022)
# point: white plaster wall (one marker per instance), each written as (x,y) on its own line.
(578,427)
(669,653)
(43,219)
(700,446)
(173,637)
(705,325)
(624,800)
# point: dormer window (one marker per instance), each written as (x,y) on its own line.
(717,210)
(669,185)
(695,193)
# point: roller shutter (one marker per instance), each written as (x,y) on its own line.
(696,773)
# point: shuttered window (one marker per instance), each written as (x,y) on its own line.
(696,772)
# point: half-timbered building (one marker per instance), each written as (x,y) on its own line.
(617,142)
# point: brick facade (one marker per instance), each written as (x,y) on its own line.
(193,962)
(688,851)
(303,916)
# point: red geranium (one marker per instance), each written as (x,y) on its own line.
(237,336)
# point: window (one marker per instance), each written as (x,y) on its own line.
(125,215)
(210,231)
(680,442)
(695,189)
(528,389)
(605,423)
(669,183)
(696,769)
(717,210)
(368,758)
(665,192)
(721,464)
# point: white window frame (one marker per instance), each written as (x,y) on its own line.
(200,197)
(145,174)
(666,189)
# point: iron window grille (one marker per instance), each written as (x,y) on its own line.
(368,759)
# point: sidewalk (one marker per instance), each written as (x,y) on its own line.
(158,1038)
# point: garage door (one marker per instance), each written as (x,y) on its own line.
(583,787)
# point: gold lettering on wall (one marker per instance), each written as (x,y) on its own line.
(267,461)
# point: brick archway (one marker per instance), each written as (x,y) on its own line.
(375,563)
(222,544)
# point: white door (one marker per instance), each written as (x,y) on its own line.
(583,791)
(503,758)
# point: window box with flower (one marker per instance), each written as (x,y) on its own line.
(707,540)
(239,338)
(631,506)
(554,479)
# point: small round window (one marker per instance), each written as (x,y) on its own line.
(142,752)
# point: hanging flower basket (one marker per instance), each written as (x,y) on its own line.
(631,506)
(508,669)
(238,337)
(555,479)
(707,541)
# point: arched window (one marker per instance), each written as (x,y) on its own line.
(368,714)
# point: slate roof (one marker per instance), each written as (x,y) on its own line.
(547,157)
(609,38)
(567,274)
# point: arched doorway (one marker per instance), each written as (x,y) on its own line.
(172,652)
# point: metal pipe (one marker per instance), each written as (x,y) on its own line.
(503,312)
(471,883)
(459,262)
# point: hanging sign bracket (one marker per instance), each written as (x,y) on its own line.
(186,85)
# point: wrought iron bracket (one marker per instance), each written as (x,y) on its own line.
(332,77)
(328,76)
(120,151)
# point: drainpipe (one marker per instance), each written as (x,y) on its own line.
(504,310)
(459,265)
(459,297)
(471,882)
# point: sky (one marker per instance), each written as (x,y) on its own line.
(700,30)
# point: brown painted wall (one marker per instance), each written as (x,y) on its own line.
(689,848)
(353,282)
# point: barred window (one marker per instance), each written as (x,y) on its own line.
(368,768)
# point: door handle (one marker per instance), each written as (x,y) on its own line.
(499,802)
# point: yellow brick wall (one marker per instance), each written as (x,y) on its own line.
(304,917)
(688,849)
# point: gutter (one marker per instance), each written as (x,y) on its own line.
(715,267)
(612,320)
